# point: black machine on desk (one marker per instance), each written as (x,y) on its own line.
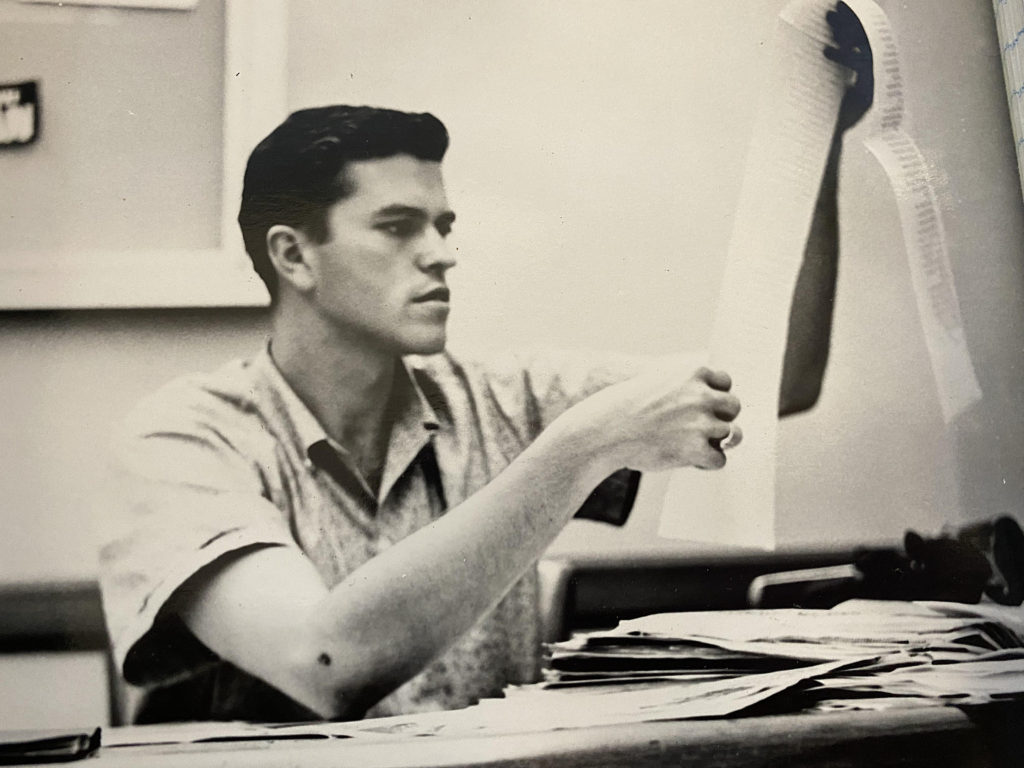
(980,560)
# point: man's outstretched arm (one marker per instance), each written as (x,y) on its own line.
(810,320)
(339,651)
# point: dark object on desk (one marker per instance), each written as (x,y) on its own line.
(1002,541)
(981,559)
(22,747)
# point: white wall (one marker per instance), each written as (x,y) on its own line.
(67,378)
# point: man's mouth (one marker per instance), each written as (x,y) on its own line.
(438,294)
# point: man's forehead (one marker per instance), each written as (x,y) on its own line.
(397,180)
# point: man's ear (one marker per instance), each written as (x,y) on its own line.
(286,248)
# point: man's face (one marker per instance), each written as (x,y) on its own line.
(380,276)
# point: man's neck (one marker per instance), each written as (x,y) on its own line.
(346,385)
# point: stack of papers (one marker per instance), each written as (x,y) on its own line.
(862,654)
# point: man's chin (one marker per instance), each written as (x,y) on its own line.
(431,346)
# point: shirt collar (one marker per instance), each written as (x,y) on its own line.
(307,430)
(303,426)
(413,367)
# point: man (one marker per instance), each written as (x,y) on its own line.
(349,521)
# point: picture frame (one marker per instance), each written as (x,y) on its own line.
(254,100)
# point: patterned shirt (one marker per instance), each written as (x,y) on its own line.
(216,463)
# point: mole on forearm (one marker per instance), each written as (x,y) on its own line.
(324,660)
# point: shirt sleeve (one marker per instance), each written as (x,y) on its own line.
(174,502)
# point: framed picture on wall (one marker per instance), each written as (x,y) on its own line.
(128,193)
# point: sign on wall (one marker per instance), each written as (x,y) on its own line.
(19,114)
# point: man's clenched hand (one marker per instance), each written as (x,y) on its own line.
(662,419)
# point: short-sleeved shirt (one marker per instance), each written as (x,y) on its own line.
(216,463)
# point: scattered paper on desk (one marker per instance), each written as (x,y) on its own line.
(723,663)
(718,664)
(532,709)
(887,653)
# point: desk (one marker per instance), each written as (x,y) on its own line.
(580,591)
(928,736)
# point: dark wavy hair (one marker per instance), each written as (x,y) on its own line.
(297,172)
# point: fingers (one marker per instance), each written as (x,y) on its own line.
(734,438)
(719,380)
(725,436)
(725,406)
(715,457)
(721,437)
(721,442)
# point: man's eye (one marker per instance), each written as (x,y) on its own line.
(399,228)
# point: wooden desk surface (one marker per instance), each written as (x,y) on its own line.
(928,736)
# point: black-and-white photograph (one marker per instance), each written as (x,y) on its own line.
(512,382)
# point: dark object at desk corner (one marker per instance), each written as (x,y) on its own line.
(24,747)
(999,727)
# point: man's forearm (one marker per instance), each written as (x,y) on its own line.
(399,611)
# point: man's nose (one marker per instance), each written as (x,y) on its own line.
(435,252)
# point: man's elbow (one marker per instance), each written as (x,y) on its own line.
(318,680)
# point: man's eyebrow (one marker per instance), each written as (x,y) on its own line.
(400,210)
(411,211)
